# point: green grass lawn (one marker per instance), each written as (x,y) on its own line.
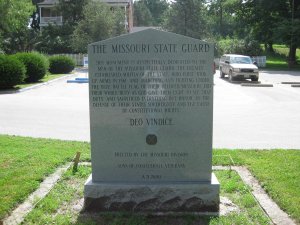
(24,163)
(58,206)
(277,170)
(47,78)
(278,60)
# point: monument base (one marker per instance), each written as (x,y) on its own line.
(175,197)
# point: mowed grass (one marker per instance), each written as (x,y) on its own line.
(47,78)
(25,162)
(277,170)
(278,59)
(61,206)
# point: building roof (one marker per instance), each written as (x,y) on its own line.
(52,2)
(117,1)
(48,2)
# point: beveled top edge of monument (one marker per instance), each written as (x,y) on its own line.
(149,30)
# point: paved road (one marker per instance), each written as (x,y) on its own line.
(244,117)
(258,117)
(58,110)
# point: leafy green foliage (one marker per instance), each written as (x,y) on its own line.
(14,14)
(221,17)
(142,15)
(14,20)
(187,17)
(55,39)
(72,11)
(61,64)
(280,24)
(237,46)
(12,71)
(149,12)
(289,33)
(21,40)
(157,9)
(100,22)
(36,65)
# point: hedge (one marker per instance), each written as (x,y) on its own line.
(61,64)
(12,71)
(36,65)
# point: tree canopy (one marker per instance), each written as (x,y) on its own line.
(149,12)
(187,17)
(14,21)
(72,11)
(99,22)
(257,21)
(142,15)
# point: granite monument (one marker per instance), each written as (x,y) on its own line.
(151,111)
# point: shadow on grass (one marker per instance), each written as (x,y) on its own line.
(19,87)
(279,61)
(10,90)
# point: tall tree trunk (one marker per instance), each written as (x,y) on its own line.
(270,47)
(292,55)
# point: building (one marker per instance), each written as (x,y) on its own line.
(49,15)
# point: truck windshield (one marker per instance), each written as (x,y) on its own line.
(244,60)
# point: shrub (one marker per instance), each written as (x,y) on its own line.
(36,65)
(12,71)
(237,46)
(61,64)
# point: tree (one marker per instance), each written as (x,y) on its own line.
(259,18)
(149,12)
(72,11)
(142,15)
(55,39)
(15,16)
(270,21)
(157,9)
(99,22)
(222,16)
(289,33)
(293,29)
(187,17)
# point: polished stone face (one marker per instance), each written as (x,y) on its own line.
(151,108)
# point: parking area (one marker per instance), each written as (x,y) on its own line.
(244,117)
(58,110)
(257,117)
